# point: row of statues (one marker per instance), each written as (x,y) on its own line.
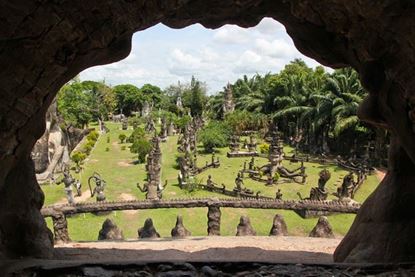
(110,230)
(95,182)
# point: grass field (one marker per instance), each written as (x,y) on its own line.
(119,170)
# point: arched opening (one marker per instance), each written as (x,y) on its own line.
(40,59)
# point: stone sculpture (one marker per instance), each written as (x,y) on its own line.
(322,229)
(239,185)
(279,227)
(179,231)
(110,231)
(278,195)
(228,104)
(148,230)
(99,187)
(319,192)
(244,227)
(153,186)
(68,182)
(346,190)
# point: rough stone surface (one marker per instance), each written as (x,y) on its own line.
(322,229)
(279,227)
(45,44)
(179,231)
(110,231)
(214,215)
(148,230)
(244,227)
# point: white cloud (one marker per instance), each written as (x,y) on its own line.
(230,34)
(277,48)
(163,56)
(268,26)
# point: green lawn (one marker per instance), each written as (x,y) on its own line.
(119,170)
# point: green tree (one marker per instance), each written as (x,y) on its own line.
(195,98)
(142,147)
(215,134)
(129,98)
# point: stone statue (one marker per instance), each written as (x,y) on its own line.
(347,187)
(110,231)
(228,103)
(209,182)
(244,227)
(279,227)
(148,230)
(252,163)
(179,231)
(239,182)
(278,195)
(99,187)
(322,229)
(68,182)
(319,192)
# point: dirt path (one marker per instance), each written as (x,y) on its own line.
(128,197)
(85,196)
(260,249)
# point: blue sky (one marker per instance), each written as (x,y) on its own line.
(162,56)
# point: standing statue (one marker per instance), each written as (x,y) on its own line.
(99,186)
(68,182)
(252,163)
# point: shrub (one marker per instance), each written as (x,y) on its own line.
(264,148)
(138,133)
(92,136)
(122,138)
(123,147)
(87,149)
(107,149)
(142,147)
(90,143)
(215,134)
(78,157)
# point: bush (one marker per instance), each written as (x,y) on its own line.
(137,134)
(142,147)
(92,136)
(264,148)
(87,149)
(123,148)
(78,157)
(122,138)
(107,149)
(215,134)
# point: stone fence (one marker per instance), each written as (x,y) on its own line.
(58,213)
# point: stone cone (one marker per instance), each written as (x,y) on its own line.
(244,227)
(279,227)
(322,229)
(148,230)
(179,231)
(110,231)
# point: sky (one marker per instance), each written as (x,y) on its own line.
(163,56)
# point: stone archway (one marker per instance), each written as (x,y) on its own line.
(45,43)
